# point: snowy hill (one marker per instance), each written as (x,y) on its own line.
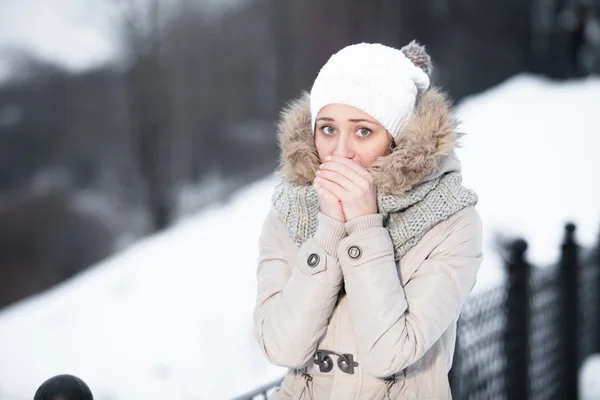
(530,153)
(171,317)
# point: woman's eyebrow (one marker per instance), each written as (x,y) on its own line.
(325,119)
(362,120)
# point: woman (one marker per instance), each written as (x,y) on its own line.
(372,244)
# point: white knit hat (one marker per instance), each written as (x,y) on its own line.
(379,80)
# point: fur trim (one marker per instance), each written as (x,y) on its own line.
(299,160)
(430,133)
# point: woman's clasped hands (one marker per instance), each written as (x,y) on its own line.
(345,189)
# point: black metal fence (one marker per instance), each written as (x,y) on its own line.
(524,339)
(527,337)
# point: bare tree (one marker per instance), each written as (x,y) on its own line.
(144,27)
(221,71)
(306,32)
(287,23)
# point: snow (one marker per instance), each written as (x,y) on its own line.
(171,316)
(589,378)
(530,151)
(168,318)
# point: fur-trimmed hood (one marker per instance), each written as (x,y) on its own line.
(424,150)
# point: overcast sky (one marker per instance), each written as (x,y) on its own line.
(78,34)
(71,32)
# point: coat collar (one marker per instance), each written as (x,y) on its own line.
(425,148)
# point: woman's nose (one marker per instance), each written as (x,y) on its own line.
(343,148)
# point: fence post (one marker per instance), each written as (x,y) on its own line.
(63,387)
(568,275)
(516,337)
(596,264)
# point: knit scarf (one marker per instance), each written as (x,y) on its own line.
(407,217)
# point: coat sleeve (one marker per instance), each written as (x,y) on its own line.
(395,325)
(295,298)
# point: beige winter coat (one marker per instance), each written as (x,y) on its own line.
(396,319)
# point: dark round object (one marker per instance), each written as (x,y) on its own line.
(343,364)
(63,387)
(325,363)
(355,252)
(520,246)
(313,260)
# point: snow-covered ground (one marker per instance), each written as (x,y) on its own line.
(531,154)
(171,317)
(589,378)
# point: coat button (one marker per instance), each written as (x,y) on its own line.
(354,252)
(343,365)
(313,260)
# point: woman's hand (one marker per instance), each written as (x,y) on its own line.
(351,183)
(330,205)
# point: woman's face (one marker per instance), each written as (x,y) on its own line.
(346,131)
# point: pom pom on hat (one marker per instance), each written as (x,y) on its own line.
(417,54)
(382,81)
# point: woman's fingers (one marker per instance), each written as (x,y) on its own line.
(325,193)
(329,204)
(338,178)
(347,167)
(335,189)
(332,167)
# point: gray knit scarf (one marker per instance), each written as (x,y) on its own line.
(408,217)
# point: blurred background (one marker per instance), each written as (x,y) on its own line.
(137,142)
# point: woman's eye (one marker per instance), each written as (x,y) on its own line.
(364,132)
(328,130)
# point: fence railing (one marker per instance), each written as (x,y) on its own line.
(527,337)
(524,339)
(261,392)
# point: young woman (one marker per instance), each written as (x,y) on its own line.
(372,244)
